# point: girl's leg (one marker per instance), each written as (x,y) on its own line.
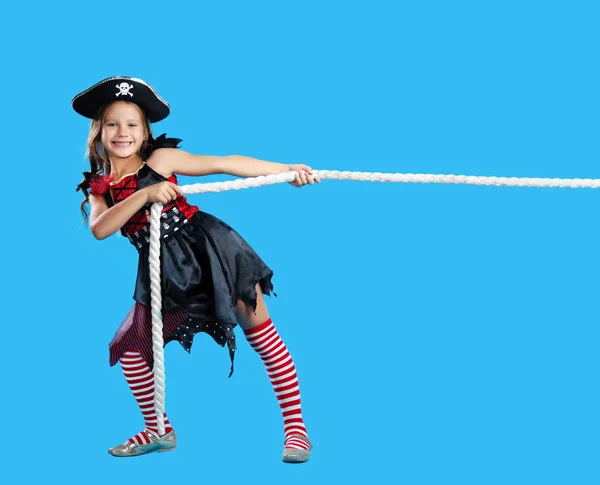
(141,382)
(264,339)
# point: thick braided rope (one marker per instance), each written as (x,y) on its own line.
(157,339)
(396,177)
(157,322)
(459,179)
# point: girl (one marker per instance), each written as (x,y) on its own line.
(211,278)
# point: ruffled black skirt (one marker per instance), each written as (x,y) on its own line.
(206,268)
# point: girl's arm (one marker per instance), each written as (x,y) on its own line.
(105,221)
(168,161)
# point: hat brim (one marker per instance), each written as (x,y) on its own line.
(121,88)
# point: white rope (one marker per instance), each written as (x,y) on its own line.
(395,177)
(157,324)
(459,179)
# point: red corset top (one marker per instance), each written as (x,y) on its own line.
(128,185)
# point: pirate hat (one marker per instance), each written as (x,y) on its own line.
(121,88)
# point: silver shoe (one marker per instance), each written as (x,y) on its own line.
(294,455)
(167,443)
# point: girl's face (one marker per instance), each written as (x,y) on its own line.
(123,130)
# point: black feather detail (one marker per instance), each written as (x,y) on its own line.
(84,185)
(161,142)
(93,183)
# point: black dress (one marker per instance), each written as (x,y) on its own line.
(206,267)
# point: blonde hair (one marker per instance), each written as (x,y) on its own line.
(99,160)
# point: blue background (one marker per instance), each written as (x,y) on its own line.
(443,334)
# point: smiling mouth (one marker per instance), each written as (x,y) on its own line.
(122,144)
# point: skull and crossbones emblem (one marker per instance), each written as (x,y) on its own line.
(124,89)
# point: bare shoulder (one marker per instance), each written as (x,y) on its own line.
(164,160)
(169,161)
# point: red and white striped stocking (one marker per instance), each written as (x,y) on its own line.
(265,340)
(141,382)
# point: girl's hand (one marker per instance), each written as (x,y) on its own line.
(304,175)
(163,192)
